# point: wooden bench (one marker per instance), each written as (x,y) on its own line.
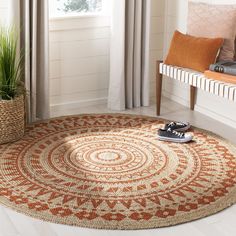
(195,80)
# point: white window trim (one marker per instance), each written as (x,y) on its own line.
(76,23)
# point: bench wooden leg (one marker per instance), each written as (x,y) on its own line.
(192,97)
(158,88)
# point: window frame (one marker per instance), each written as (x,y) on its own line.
(104,12)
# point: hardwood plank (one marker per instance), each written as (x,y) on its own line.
(207,229)
(23,224)
(44,228)
(7,227)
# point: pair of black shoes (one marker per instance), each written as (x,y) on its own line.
(175,132)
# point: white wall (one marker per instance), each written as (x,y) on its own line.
(79,62)
(79,59)
(156,41)
(213,106)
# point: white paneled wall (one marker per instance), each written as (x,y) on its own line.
(79,59)
(79,62)
(156,40)
(215,107)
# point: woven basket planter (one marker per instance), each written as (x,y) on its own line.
(12,123)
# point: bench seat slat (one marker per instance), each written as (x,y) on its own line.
(198,80)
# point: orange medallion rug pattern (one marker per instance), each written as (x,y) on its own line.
(110,171)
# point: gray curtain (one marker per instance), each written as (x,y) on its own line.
(129,55)
(34,39)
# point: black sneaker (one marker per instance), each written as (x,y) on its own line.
(177,126)
(173,136)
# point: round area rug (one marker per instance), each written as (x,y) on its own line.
(110,171)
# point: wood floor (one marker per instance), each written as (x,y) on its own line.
(221,224)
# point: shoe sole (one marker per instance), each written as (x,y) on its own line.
(174,140)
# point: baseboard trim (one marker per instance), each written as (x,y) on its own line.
(215,116)
(175,98)
(201,109)
(58,108)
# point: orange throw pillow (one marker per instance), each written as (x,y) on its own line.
(193,52)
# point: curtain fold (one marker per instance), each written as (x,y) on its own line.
(34,39)
(129,54)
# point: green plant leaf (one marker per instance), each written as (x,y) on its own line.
(10,64)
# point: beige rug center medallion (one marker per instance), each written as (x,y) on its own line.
(110,172)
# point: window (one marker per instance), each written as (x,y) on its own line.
(63,8)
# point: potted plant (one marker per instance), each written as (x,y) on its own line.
(11,87)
